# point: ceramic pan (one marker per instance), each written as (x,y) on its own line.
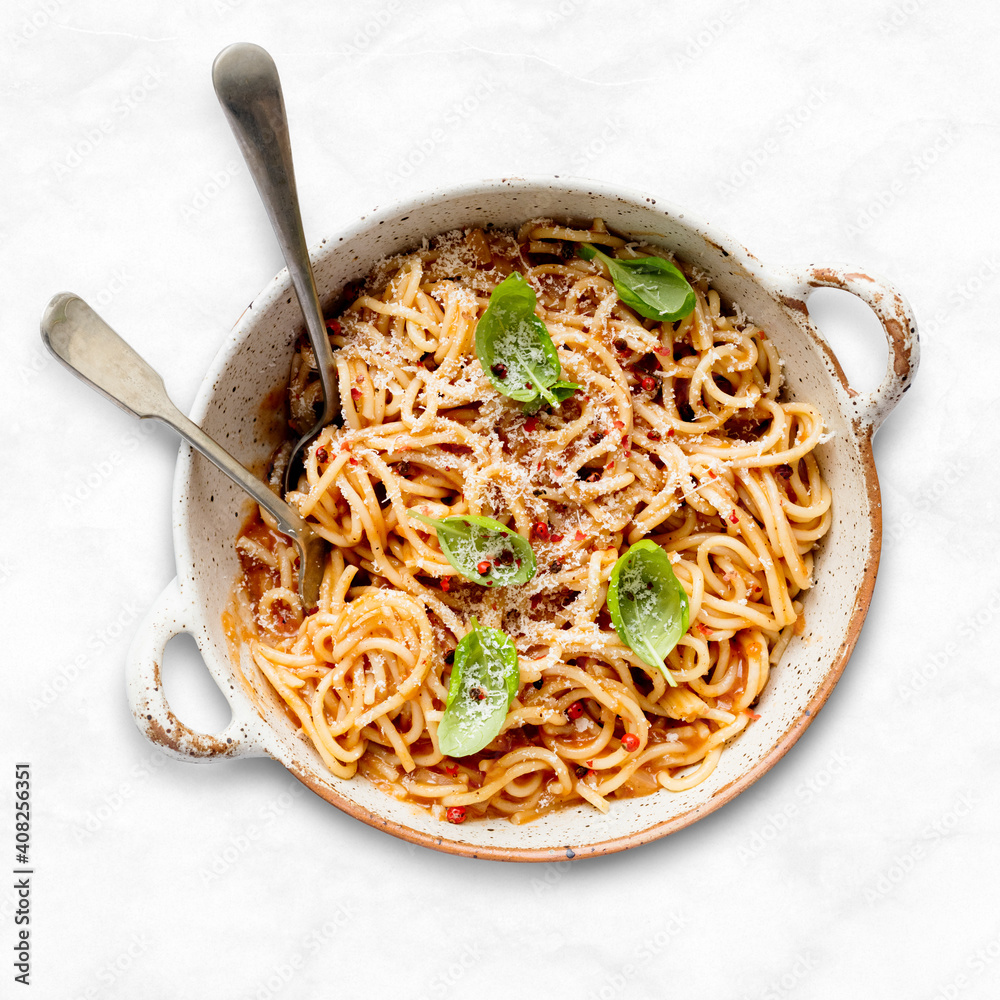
(252,367)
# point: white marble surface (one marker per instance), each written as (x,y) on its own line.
(866,862)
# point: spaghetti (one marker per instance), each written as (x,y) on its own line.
(678,433)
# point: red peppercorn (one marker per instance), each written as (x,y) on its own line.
(575,710)
(648,383)
(540,530)
(333,326)
(483,567)
(654,435)
(630,742)
(321,455)
(499,369)
(456,814)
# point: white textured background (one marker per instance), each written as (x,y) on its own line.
(866,862)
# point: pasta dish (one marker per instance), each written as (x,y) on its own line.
(570,514)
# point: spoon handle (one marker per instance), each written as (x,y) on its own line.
(83,342)
(247,85)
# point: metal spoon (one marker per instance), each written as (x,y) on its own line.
(247,85)
(83,342)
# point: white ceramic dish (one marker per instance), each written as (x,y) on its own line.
(253,365)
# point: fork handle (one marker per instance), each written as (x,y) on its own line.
(86,345)
(249,90)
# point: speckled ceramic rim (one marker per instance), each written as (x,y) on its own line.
(249,734)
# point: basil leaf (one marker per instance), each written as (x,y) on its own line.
(484,681)
(471,539)
(649,608)
(652,286)
(514,347)
(563,390)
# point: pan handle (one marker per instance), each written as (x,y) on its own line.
(898,322)
(153,715)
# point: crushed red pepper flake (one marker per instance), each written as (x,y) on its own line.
(540,530)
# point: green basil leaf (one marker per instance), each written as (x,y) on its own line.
(563,390)
(514,347)
(471,539)
(652,286)
(649,608)
(484,682)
